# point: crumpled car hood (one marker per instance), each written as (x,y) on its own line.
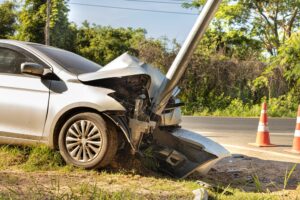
(126,65)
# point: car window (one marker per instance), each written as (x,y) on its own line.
(69,61)
(10,61)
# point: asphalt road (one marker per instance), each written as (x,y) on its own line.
(241,125)
(236,134)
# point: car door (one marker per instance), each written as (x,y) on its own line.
(23,98)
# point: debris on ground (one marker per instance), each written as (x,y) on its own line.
(200,194)
(242,171)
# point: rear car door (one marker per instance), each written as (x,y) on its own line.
(23,98)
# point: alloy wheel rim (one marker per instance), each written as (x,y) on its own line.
(83,141)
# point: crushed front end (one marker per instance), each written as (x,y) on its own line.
(178,152)
(152,118)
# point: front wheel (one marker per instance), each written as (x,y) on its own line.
(87,141)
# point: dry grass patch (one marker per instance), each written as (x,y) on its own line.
(40,173)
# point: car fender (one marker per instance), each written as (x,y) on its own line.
(66,98)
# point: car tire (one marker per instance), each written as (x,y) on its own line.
(86,140)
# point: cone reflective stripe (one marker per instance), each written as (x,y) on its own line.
(263,128)
(296,142)
(263,136)
(297,133)
(298,122)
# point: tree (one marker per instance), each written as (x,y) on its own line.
(283,74)
(230,44)
(32,20)
(272,21)
(212,82)
(7,19)
(103,44)
(155,52)
(288,60)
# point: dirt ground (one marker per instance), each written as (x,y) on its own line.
(241,172)
(245,173)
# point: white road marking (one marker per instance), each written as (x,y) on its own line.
(282,134)
(263,151)
(254,133)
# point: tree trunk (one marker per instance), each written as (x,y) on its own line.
(47,28)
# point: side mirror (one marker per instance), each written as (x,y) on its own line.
(34,69)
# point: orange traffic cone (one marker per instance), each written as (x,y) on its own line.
(296,143)
(263,136)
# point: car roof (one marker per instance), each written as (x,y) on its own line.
(17,42)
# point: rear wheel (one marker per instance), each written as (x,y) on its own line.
(86,140)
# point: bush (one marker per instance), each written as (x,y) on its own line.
(283,106)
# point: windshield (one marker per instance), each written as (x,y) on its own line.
(68,60)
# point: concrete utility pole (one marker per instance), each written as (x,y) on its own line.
(47,27)
(182,60)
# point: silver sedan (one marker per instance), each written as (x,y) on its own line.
(42,100)
(89,112)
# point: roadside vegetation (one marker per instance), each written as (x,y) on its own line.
(250,53)
(40,173)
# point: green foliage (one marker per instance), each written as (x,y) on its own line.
(149,159)
(153,51)
(272,22)
(103,44)
(288,176)
(43,158)
(277,107)
(82,191)
(211,83)
(242,31)
(281,78)
(288,60)
(84,184)
(8,17)
(32,20)
(257,183)
(230,67)
(11,156)
(230,43)
(238,109)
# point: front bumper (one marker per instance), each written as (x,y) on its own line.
(182,152)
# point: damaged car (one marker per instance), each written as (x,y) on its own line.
(90,112)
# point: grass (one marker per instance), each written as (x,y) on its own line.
(288,176)
(257,183)
(84,191)
(11,156)
(40,173)
(276,108)
(39,158)
(42,158)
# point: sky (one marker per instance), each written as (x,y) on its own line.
(174,22)
(171,25)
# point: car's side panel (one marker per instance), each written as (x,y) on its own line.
(65,96)
(23,105)
(23,98)
(18,141)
